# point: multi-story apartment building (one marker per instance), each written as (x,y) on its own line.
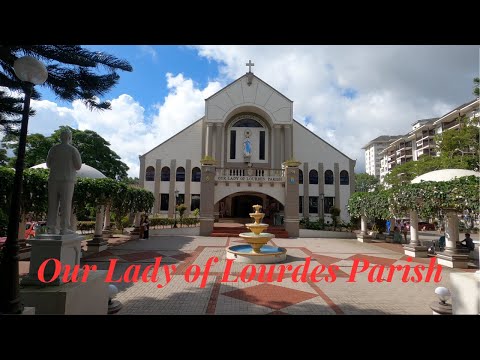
(374,153)
(420,140)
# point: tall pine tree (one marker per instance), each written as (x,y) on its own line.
(73,73)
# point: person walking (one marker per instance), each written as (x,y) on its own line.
(146,227)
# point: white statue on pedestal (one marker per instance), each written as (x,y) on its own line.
(63,160)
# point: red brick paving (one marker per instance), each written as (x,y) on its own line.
(212,302)
(325,297)
(271,296)
(137,256)
(372,259)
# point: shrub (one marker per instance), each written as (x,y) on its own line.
(86,226)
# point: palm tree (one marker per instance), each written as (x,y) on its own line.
(73,73)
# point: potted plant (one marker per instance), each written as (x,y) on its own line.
(291,162)
(208,160)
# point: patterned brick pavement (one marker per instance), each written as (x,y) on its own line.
(285,294)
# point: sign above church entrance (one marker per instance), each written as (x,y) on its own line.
(250,178)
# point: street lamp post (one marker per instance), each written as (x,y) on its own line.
(31,72)
(175,209)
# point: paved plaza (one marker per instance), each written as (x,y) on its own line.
(286,297)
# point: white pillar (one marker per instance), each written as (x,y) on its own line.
(414,228)
(451,230)
(136,222)
(363,224)
(106,223)
(99,221)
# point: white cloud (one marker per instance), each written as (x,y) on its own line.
(149,51)
(395,85)
(125,126)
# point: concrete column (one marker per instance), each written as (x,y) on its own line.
(98,243)
(414,248)
(218,143)
(414,228)
(106,222)
(156,191)
(451,231)
(171,190)
(291,219)
(106,232)
(188,179)
(321,190)
(306,180)
(277,139)
(363,224)
(351,174)
(141,176)
(99,221)
(336,177)
(288,141)
(209,139)
(207,191)
(363,235)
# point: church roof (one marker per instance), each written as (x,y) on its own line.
(241,77)
(172,137)
(318,137)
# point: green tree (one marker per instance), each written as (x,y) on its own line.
(462,142)
(365,182)
(73,73)
(476,84)
(36,149)
(94,149)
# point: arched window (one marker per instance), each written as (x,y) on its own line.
(344,179)
(165,174)
(247,123)
(313,177)
(300,177)
(180,174)
(329,177)
(150,174)
(196,174)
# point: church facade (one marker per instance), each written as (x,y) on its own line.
(247,149)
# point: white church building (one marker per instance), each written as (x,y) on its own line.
(240,153)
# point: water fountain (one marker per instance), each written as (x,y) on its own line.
(256,252)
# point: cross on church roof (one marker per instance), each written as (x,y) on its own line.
(250,64)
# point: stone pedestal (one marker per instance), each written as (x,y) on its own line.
(453,259)
(97,244)
(465,290)
(364,237)
(417,251)
(79,298)
(65,248)
(106,234)
(439,308)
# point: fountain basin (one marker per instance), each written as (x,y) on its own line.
(267,255)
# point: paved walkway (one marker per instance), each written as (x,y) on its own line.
(257,297)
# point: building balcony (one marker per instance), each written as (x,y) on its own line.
(450,125)
(249,175)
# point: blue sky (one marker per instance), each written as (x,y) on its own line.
(347,95)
